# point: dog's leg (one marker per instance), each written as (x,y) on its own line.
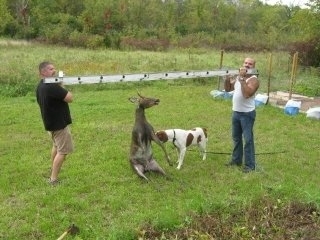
(203,151)
(178,154)
(181,157)
(157,141)
(204,154)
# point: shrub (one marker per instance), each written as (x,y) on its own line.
(112,40)
(94,41)
(78,39)
(150,44)
(309,52)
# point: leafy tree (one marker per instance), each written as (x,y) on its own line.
(236,24)
(96,15)
(55,20)
(303,25)
(5,16)
(314,5)
(315,9)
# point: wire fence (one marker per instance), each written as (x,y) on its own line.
(289,76)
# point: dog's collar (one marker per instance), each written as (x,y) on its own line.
(174,138)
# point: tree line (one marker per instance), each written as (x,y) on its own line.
(157,25)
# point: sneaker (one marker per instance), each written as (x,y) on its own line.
(247,170)
(53,182)
(232,164)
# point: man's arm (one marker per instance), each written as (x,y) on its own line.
(68,98)
(249,86)
(229,83)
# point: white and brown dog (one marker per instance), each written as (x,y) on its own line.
(182,139)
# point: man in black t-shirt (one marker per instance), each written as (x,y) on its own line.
(53,101)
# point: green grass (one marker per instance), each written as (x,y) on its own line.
(99,192)
(18,68)
(106,200)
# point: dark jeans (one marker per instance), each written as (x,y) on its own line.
(242,125)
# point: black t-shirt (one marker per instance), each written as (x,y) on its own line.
(55,111)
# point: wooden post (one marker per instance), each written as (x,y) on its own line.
(220,66)
(293,73)
(269,75)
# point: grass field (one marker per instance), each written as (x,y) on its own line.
(102,196)
(100,193)
(18,69)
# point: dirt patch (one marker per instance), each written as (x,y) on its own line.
(280,99)
(262,220)
(11,42)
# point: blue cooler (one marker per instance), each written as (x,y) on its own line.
(291,110)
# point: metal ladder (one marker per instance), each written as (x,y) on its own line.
(69,80)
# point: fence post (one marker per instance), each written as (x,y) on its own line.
(293,73)
(220,67)
(269,75)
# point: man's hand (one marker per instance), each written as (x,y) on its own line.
(242,72)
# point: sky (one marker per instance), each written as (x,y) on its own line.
(287,2)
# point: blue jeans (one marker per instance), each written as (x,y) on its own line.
(242,125)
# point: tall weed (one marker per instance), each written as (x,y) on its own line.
(19,64)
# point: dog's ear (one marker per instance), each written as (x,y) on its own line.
(205,132)
(162,136)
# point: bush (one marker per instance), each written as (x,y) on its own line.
(308,52)
(150,44)
(58,34)
(94,41)
(196,40)
(78,39)
(112,40)
(85,40)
